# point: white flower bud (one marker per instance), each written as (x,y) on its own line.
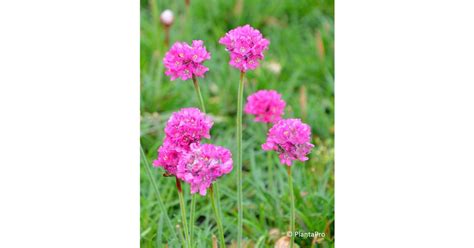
(166,17)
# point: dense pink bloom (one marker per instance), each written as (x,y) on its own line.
(185,127)
(168,157)
(291,139)
(202,165)
(245,45)
(185,61)
(266,105)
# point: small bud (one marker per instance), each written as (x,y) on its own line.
(167,17)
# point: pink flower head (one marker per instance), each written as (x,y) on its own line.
(187,126)
(185,61)
(202,165)
(266,105)
(168,158)
(245,45)
(291,139)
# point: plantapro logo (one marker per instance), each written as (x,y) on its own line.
(305,235)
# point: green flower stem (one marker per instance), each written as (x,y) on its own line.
(270,166)
(199,95)
(167,36)
(215,185)
(183,212)
(191,218)
(183,241)
(239,160)
(292,199)
(218,218)
(216,188)
(193,200)
(271,178)
(218,197)
(158,195)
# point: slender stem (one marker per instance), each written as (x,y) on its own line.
(215,187)
(183,212)
(191,218)
(183,240)
(270,167)
(271,181)
(218,218)
(167,36)
(272,186)
(292,199)
(193,201)
(199,95)
(215,204)
(239,160)
(158,195)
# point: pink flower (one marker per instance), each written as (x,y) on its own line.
(202,165)
(291,139)
(187,126)
(266,105)
(185,61)
(168,157)
(245,45)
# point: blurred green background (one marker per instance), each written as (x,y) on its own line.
(299,64)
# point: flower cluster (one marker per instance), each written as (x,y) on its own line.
(266,105)
(168,158)
(291,139)
(203,165)
(185,61)
(185,127)
(183,155)
(245,45)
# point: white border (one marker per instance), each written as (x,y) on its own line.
(69,136)
(404,124)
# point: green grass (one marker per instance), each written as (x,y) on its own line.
(302,42)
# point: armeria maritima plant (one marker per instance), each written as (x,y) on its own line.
(183,156)
(245,46)
(268,107)
(183,129)
(290,138)
(186,62)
